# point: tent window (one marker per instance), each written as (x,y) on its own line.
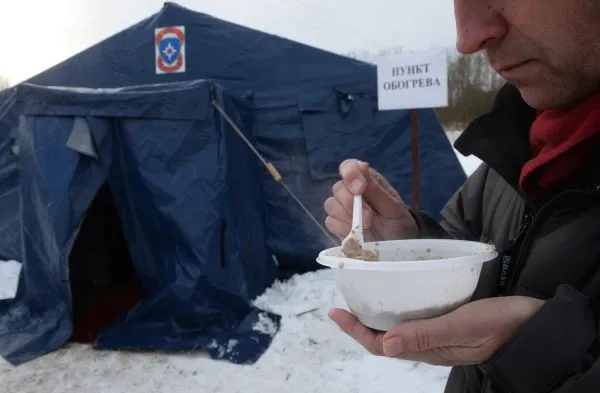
(103,280)
(329,118)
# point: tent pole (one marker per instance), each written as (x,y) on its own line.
(414,137)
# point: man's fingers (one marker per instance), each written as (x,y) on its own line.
(383,198)
(345,206)
(339,228)
(349,324)
(335,210)
(343,196)
(412,343)
(447,356)
(360,178)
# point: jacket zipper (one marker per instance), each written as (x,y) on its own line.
(528,219)
(532,222)
(506,260)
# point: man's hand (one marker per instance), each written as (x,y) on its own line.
(385,216)
(471,334)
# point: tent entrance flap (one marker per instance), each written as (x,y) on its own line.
(191,207)
(104,284)
(81,139)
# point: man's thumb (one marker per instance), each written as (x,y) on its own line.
(355,174)
(418,336)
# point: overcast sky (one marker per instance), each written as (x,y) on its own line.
(40,33)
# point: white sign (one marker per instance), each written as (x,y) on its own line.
(413,80)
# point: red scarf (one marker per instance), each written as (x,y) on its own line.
(561,140)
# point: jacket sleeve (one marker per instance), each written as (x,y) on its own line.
(555,352)
(462,215)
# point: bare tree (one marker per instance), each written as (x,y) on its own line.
(370,57)
(472,86)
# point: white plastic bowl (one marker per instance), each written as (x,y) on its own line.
(414,279)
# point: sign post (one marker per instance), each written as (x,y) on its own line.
(410,81)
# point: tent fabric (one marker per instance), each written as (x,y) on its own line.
(234,55)
(295,91)
(185,189)
(307,136)
(10,235)
(305,110)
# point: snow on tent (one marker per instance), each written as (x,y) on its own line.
(204,224)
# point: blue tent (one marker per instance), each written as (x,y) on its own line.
(184,187)
(10,234)
(305,110)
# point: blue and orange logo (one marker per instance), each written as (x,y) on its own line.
(169,44)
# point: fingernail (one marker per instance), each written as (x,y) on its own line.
(356,185)
(393,346)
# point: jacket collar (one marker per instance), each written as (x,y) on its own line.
(500,138)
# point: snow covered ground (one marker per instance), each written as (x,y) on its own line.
(469,164)
(9,274)
(308,355)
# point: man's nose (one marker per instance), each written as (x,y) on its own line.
(477,24)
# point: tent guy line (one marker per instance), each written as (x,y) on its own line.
(273,171)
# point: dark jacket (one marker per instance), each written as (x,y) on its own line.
(548,250)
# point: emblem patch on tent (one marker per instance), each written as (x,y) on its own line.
(169,48)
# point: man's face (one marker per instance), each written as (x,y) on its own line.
(549,49)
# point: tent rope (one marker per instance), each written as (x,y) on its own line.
(273,171)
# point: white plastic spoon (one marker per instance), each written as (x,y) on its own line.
(356,231)
(356,237)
